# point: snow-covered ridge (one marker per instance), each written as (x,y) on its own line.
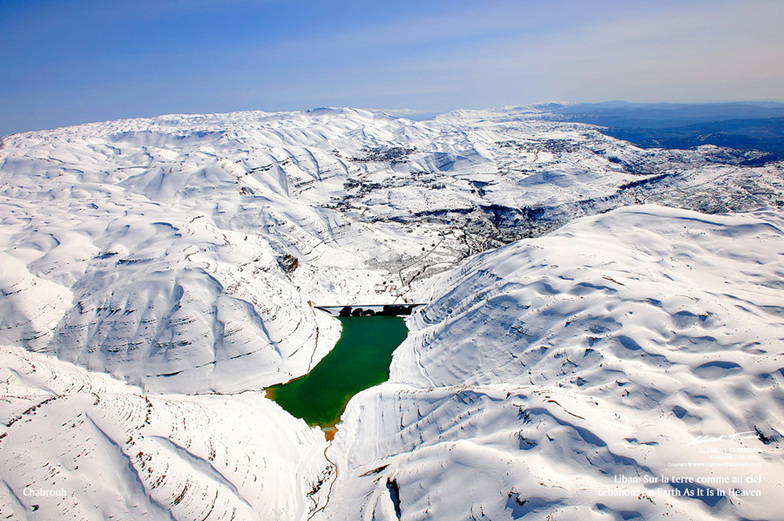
(152,248)
(548,371)
(106,450)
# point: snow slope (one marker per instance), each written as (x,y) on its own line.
(548,371)
(119,453)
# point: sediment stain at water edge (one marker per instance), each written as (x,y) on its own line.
(360,360)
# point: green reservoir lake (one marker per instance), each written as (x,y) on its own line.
(360,360)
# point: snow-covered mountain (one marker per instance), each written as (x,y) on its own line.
(546,372)
(185,254)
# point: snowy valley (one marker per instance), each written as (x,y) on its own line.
(598,314)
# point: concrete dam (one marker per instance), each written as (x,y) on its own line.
(359,310)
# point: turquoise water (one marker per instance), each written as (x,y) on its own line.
(360,360)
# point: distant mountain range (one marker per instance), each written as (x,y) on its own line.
(741,125)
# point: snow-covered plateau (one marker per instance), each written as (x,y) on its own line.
(604,337)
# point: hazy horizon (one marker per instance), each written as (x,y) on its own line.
(69,63)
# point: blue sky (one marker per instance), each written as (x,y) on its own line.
(69,62)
